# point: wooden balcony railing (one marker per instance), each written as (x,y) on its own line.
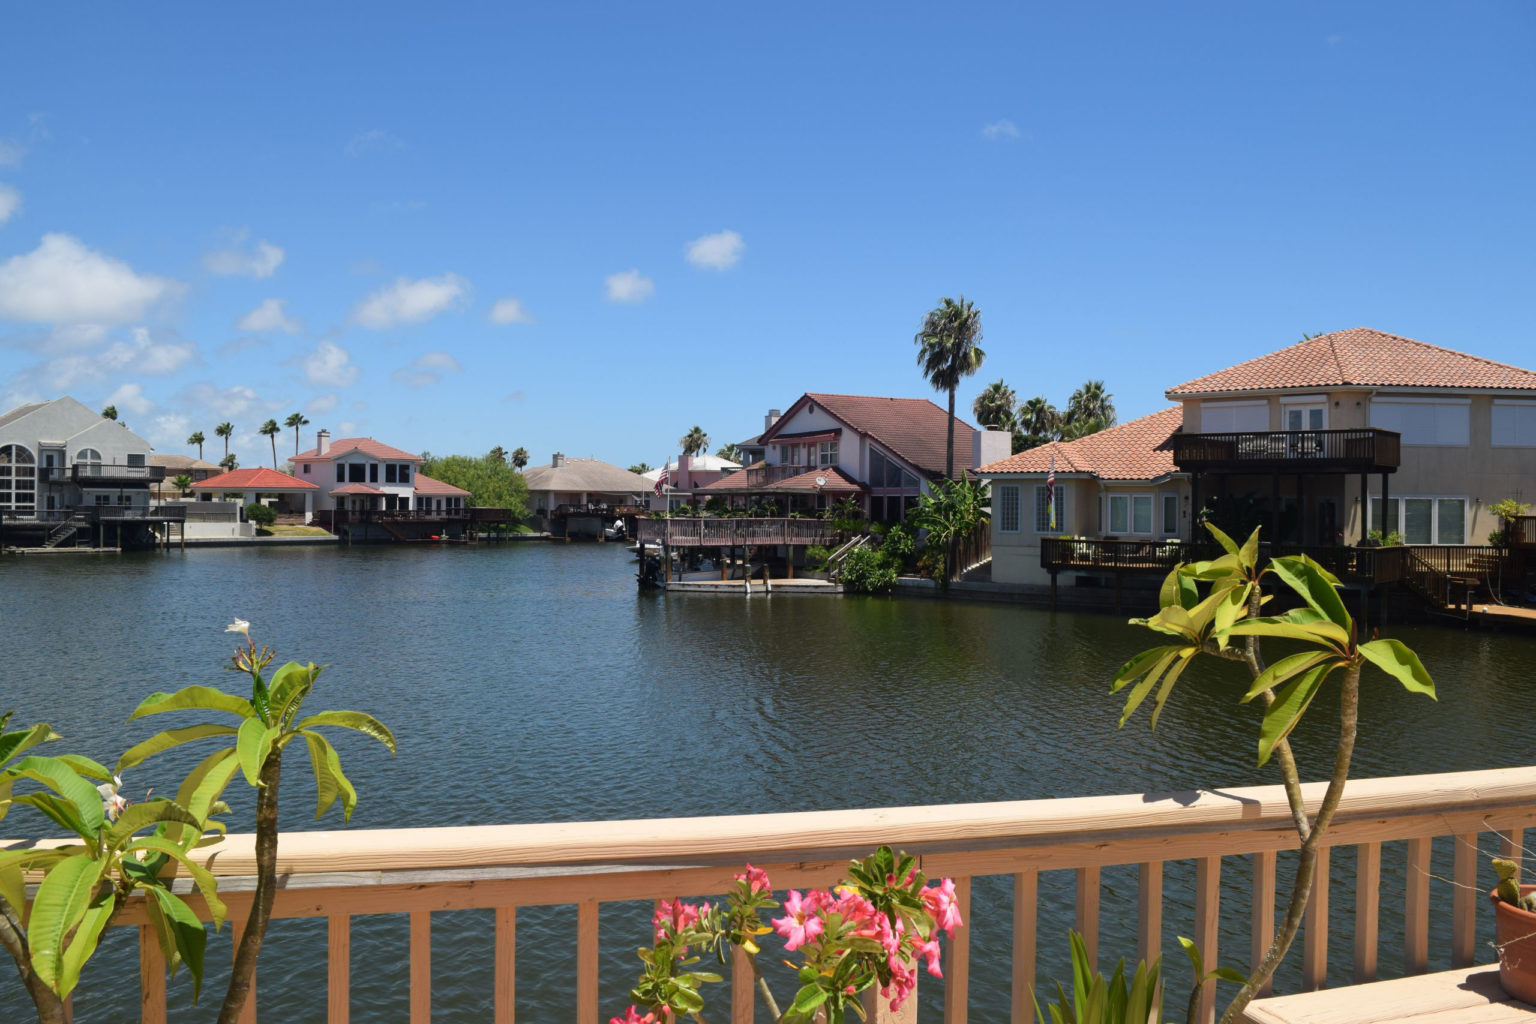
(762,474)
(421,872)
(1352,564)
(1360,450)
(707,531)
(1523,532)
(91,474)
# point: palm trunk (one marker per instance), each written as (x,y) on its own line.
(949,477)
(273,439)
(50,1008)
(244,970)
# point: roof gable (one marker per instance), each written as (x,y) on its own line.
(260,479)
(366,445)
(914,429)
(1139,449)
(1360,357)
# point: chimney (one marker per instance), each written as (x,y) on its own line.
(557,461)
(322,442)
(770,419)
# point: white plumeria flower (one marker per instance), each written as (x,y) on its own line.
(112,803)
(239,626)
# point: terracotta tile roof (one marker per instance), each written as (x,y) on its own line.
(366,445)
(1140,449)
(427,485)
(254,480)
(837,482)
(350,489)
(1360,357)
(913,428)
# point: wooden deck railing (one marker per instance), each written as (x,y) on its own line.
(1352,564)
(1359,450)
(421,872)
(706,531)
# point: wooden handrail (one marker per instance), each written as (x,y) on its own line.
(418,871)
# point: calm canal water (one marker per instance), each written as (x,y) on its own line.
(532,683)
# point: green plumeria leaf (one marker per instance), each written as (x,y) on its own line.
(14,744)
(1248,555)
(1227,543)
(1233,606)
(206,884)
(13,888)
(185,934)
(61,812)
(59,776)
(1276,626)
(1231,974)
(330,781)
(1172,676)
(82,945)
(290,685)
(207,782)
(355,720)
(151,812)
(163,741)
(1317,586)
(253,743)
(61,901)
(1283,670)
(1291,702)
(1397,661)
(199,698)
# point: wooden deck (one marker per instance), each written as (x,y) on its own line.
(724,532)
(1468,996)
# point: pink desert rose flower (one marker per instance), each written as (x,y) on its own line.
(800,923)
(673,917)
(634,1017)
(940,900)
(929,951)
(756,879)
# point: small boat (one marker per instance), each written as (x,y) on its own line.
(615,531)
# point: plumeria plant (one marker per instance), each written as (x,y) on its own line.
(870,932)
(117,850)
(267,722)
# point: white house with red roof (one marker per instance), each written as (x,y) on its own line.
(884,452)
(1325,441)
(359,474)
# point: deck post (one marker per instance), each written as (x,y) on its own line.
(1385,493)
(1194,506)
(666,558)
(1365,508)
(789,561)
(1053,591)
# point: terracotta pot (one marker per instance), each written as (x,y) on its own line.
(1515,932)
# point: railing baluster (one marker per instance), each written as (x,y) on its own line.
(151,978)
(421,967)
(1263,910)
(1464,900)
(1367,910)
(1416,916)
(338,969)
(1314,967)
(505,998)
(1149,911)
(1026,888)
(743,993)
(586,962)
(1207,925)
(957,968)
(1087,913)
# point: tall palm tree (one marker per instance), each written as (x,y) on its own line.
(270,430)
(994,406)
(948,352)
(296,421)
(695,441)
(498,454)
(1039,418)
(1092,402)
(224,430)
(229,463)
(109,413)
(198,440)
(519,458)
(730,452)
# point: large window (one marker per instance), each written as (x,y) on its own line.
(89,462)
(18,478)
(1230,417)
(827,453)
(1130,513)
(1008,508)
(1422,519)
(1514,424)
(355,472)
(1170,514)
(1043,522)
(1425,422)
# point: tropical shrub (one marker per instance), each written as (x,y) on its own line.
(182,483)
(955,510)
(870,932)
(867,571)
(262,515)
(1389,539)
(490,481)
(816,557)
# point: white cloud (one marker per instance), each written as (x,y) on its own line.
(63,282)
(11,153)
(169,429)
(10,202)
(130,396)
(219,404)
(271,315)
(410,302)
(330,366)
(427,370)
(262,260)
(143,355)
(375,140)
(322,405)
(629,286)
(509,311)
(716,252)
(1002,130)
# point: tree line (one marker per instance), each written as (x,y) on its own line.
(1035,422)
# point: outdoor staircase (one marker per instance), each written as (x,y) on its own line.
(836,559)
(1451,586)
(61,533)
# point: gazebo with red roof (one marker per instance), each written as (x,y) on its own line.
(251,484)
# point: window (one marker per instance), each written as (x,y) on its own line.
(306,469)
(18,478)
(1230,417)
(1425,422)
(1170,514)
(827,451)
(1008,508)
(135,460)
(405,472)
(1130,513)
(373,472)
(341,473)
(1514,424)
(389,473)
(355,472)
(1422,519)
(1043,523)
(89,462)
(1305,417)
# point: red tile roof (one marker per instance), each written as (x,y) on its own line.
(837,482)
(1360,357)
(254,480)
(427,485)
(913,428)
(366,445)
(1140,449)
(348,489)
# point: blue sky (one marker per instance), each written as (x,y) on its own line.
(211,214)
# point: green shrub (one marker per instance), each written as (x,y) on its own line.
(816,557)
(1391,539)
(868,572)
(899,543)
(261,515)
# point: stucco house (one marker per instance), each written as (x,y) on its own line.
(1325,441)
(883,452)
(359,474)
(59,454)
(576,484)
(685,475)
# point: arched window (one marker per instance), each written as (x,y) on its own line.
(89,461)
(18,478)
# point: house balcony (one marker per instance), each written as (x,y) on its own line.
(1216,850)
(96,474)
(1362,565)
(1362,450)
(764,475)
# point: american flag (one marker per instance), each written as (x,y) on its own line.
(663,479)
(1050,491)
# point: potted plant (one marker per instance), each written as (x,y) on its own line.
(1514,910)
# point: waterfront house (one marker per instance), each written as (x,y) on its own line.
(179,465)
(685,475)
(576,496)
(252,485)
(1323,443)
(882,452)
(359,474)
(60,455)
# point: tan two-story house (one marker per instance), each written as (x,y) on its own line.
(1322,443)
